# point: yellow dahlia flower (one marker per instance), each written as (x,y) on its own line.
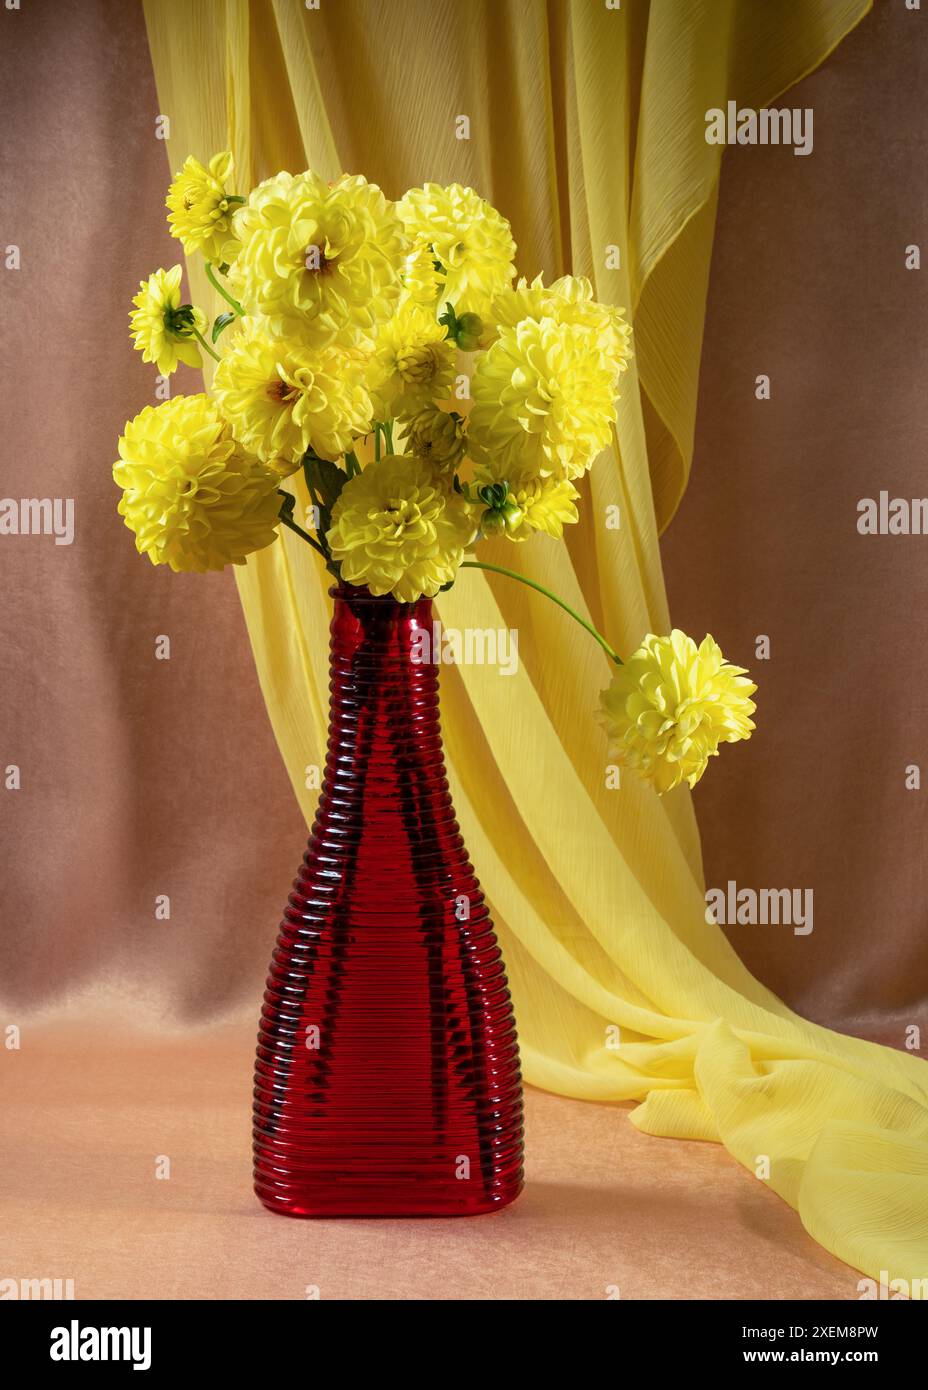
(535,504)
(671,705)
(193,502)
(281,397)
(413,362)
(200,213)
(469,239)
(543,400)
(438,436)
(568,300)
(326,255)
(161,327)
(396,530)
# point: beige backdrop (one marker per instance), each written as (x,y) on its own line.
(143,777)
(139,777)
(766,541)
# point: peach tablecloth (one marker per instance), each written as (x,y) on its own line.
(89,1110)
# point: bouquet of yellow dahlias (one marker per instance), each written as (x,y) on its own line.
(429,397)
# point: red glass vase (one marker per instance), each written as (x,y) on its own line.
(387,1080)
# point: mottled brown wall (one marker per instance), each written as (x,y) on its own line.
(139,777)
(142,777)
(809,286)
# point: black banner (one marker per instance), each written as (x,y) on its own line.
(275,1339)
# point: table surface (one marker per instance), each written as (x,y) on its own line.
(90,1108)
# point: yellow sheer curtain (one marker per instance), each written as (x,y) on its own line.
(586,128)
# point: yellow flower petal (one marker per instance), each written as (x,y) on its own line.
(464,240)
(671,705)
(282,397)
(157,330)
(397,530)
(544,400)
(319,259)
(193,502)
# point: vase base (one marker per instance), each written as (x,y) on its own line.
(347,1203)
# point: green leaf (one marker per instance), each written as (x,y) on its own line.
(327,480)
(449,320)
(222,322)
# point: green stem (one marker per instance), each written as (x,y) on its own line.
(304,535)
(221,289)
(307,463)
(376,443)
(354,467)
(388,435)
(512,574)
(204,344)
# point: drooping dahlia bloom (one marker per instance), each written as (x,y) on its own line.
(161,327)
(199,211)
(567,300)
(413,362)
(671,705)
(321,259)
(396,529)
(468,239)
(282,397)
(193,501)
(543,400)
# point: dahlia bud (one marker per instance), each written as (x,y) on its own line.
(469,332)
(504,519)
(503,511)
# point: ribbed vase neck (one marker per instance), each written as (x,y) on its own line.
(384,729)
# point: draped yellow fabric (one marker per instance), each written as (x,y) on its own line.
(586,128)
